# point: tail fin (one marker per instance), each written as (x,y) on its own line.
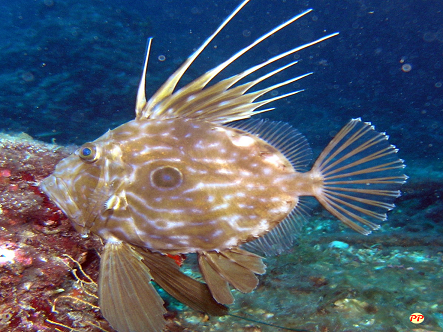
(361,176)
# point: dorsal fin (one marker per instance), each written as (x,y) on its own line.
(141,92)
(220,103)
(288,140)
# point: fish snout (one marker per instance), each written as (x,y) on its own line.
(58,191)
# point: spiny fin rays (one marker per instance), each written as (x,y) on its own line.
(233,266)
(141,92)
(220,106)
(168,87)
(189,103)
(196,101)
(168,276)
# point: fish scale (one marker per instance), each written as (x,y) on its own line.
(183,178)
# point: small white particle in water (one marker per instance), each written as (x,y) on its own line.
(406,67)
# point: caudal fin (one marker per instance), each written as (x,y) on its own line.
(361,176)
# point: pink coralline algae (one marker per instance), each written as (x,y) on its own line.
(42,286)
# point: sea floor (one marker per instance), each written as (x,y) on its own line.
(368,286)
(332,280)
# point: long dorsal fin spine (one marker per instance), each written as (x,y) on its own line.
(279,85)
(224,85)
(264,77)
(215,71)
(270,100)
(240,91)
(223,101)
(141,92)
(277,57)
(168,87)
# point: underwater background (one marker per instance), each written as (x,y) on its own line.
(70,71)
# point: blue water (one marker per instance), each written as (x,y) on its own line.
(70,69)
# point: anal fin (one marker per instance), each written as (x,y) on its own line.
(234,266)
(193,293)
(127,298)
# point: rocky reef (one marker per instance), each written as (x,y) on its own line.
(39,250)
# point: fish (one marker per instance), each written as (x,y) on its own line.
(195,173)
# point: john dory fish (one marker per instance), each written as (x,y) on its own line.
(184,177)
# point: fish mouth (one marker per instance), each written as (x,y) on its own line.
(58,191)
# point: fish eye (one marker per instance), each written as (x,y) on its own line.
(88,152)
(166,177)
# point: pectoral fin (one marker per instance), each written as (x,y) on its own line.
(127,298)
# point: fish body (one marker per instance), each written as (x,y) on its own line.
(185,177)
(178,185)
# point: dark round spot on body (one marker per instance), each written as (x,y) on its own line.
(166,177)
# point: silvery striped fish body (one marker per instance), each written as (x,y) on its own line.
(185,177)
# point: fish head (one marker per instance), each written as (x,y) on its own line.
(81,183)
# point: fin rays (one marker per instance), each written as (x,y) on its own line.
(168,87)
(168,276)
(127,299)
(221,103)
(234,266)
(281,237)
(281,136)
(361,176)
